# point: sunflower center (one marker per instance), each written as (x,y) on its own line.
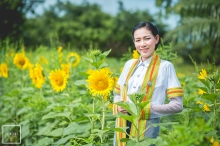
(22,62)
(73,59)
(59,81)
(101,84)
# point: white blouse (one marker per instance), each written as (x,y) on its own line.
(166,79)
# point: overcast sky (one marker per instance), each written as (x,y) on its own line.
(111,7)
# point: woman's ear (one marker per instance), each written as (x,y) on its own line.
(157,37)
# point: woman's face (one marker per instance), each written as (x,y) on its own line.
(145,42)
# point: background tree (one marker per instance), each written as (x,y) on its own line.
(84,26)
(199,28)
(13,16)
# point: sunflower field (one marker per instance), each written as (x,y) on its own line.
(64,97)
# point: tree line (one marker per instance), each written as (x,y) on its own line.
(86,25)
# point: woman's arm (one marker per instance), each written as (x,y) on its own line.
(174,106)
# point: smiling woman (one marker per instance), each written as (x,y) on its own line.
(151,76)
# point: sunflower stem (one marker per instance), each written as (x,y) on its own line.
(103,118)
(93,111)
(138,131)
(22,80)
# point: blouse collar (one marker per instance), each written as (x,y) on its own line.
(145,63)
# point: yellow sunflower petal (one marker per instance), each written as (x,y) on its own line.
(206,108)
(203,74)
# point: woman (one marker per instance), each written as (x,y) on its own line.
(156,77)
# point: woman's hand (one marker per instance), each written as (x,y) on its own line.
(122,110)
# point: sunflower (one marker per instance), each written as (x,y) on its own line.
(21,61)
(66,69)
(59,49)
(201,91)
(73,58)
(3,70)
(100,82)
(36,74)
(58,80)
(60,54)
(199,102)
(206,108)
(135,54)
(215,143)
(203,74)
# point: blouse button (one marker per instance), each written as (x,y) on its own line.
(134,86)
(138,75)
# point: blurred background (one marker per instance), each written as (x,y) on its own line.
(192,27)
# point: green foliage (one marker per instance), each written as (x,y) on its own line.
(97,59)
(198,29)
(166,51)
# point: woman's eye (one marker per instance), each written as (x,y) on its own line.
(147,38)
(137,40)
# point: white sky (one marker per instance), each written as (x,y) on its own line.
(111,7)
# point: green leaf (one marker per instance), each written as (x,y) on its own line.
(44,130)
(56,132)
(104,64)
(96,116)
(142,105)
(64,140)
(22,111)
(218,85)
(126,117)
(55,115)
(75,128)
(130,107)
(210,97)
(106,52)
(205,83)
(124,140)
(99,131)
(121,129)
(44,141)
(88,144)
(25,130)
(203,89)
(88,59)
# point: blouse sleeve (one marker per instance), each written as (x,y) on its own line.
(174,92)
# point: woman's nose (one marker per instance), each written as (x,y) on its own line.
(143,43)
